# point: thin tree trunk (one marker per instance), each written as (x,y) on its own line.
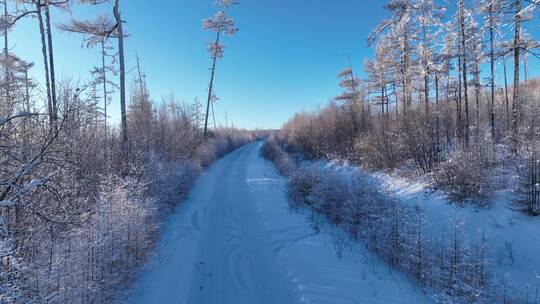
(118,18)
(407,76)
(459,101)
(354,101)
(525,72)
(6,57)
(492,70)
(141,83)
(506,95)
(515,98)
(382,94)
(45,63)
(105,93)
(51,64)
(437,109)
(426,68)
(477,85)
(211,85)
(464,70)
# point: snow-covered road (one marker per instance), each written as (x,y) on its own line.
(235,241)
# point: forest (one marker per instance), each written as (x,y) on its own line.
(437,97)
(426,163)
(447,102)
(81,197)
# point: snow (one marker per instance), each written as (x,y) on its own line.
(503,226)
(509,232)
(235,241)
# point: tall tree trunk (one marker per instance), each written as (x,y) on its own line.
(45,63)
(492,70)
(382,93)
(354,102)
(515,98)
(118,18)
(477,93)
(525,72)
(426,71)
(407,76)
(459,101)
(6,57)
(105,93)
(51,64)
(506,95)
(211,85)
(464,69)
(437,118)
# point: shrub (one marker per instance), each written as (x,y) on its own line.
(466,172)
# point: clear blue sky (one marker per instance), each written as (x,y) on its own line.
(283,60)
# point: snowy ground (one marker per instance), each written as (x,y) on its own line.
(235,241)
(513,238)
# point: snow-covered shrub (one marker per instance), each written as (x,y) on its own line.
(379,149)
(272,151)
(330,194)
(171,181)
(340,241)
(300,187)
(11,274)
(222,142)
(453,268)
(466,172)
(418,137)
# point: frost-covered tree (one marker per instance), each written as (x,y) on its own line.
(41,9)
(353,99)
(97,33)
(429,17)
(399,25)
(221,24)
(491,11)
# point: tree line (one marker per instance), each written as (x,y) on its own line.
(432,93)
(81,197)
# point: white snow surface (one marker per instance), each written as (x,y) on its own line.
(512,237)
(234,240)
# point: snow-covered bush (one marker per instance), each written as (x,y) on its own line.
(300,187)
(466,172)
(449,265)
(379,149)
(271,150)
(11,274)
(329,194)
(171,181)
(220,143)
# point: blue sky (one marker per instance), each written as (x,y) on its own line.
(283,60)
